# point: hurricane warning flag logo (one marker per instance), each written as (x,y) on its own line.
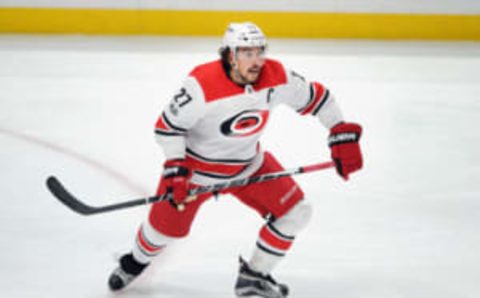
(245,123)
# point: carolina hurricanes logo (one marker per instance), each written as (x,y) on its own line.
(245,123)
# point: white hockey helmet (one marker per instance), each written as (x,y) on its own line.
(243,35)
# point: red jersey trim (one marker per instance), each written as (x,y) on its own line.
(273,74)
(164,127)
(318,98)
(214,168)
(217,85)
(217,168)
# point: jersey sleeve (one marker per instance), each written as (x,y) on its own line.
(185,108)
(310,98)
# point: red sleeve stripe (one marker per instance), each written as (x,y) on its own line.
(320,95)
(322,102)
(310,100)
(161,124)
(146,246)
(164,127)
(171,125)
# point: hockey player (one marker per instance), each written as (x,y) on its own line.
(209,133)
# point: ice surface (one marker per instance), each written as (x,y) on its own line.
(83,108)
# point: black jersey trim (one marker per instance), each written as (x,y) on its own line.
(312,98)
(206,159)
(322,102)
(168,133)
(219,176)
(173,126)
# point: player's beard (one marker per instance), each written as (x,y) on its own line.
(252,75)
(249,76)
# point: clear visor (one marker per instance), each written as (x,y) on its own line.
(250,53)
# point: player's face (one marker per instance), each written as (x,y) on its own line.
(248,64)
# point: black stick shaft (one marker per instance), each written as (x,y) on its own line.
(63,195)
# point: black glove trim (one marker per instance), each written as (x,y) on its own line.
(343,138)
(170,172)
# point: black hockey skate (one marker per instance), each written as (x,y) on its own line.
(251,283)
(124,274)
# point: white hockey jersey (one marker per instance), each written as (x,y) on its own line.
(216,124)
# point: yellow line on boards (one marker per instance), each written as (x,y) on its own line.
(207,23)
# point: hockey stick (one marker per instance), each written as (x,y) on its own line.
(64,196)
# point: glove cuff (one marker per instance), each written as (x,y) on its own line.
(344,133)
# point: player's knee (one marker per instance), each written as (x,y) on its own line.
(296,219)
(149,243)
(154,235)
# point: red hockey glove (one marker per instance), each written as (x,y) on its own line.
(175,179)
(343,142)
